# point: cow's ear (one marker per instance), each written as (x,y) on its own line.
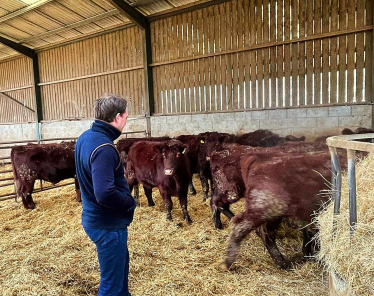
(157,149)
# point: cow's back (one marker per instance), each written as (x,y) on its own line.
(294,180)
(49,162)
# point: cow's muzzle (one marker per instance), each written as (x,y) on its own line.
(168,172)
(208,158)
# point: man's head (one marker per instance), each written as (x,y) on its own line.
(112,109)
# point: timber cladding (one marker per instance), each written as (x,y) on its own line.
(255,54)
(75,75)
(17,95)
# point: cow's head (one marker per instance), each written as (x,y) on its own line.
(173,154)
(212,142)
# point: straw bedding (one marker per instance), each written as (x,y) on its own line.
(351,259)
(46,252)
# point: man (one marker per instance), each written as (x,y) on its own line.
(108,207)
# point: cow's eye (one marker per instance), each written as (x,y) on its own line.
(178,154)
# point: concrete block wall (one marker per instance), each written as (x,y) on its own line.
(311,122)
(74,128)
(15,132)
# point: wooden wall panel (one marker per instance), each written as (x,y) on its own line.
(16,85)
(255,54)
(75,75)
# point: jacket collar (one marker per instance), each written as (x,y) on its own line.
(105,128)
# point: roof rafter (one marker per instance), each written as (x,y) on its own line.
(23,10)
(27,51)
(130,12)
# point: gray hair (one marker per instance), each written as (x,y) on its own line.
(108,106)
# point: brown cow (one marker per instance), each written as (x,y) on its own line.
(163,165)
(225,168)
(258,138)
(49,162)
(278,185)
(359,130)
(123,147)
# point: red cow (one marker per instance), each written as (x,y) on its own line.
(49,162)
(225,168)
(123,147)
(278,185)
(163,165)
(359,130)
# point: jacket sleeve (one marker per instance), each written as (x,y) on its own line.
(103,165)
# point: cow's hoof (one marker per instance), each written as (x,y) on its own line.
(189,221)
(151,204)
(223,266)
(218,226)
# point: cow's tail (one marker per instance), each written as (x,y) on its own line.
(16,176)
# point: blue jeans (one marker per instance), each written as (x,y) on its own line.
(114,260)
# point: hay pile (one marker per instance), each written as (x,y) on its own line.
(46,252)
(352,259)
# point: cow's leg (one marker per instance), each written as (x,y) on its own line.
(218,206)
(212,187)
(25,188)
(183,203)
(204,184)
(24,202)
(216,217)
(216,212)
(309,245)
(240,228)
(267,232)
(191,188)
(136,192)
(227,212)
(29,201)
(148,194)
(77,190)
(166,197)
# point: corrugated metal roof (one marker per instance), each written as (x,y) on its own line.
(49,22)
(3,11)
(13,32)
(29,27)
(11,5)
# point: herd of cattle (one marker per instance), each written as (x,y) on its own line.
(279,177)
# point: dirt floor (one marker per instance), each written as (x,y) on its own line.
(46,252)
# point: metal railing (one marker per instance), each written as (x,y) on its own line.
(9,145)
(351,144)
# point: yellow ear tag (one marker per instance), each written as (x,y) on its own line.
(202,141)
(184,150)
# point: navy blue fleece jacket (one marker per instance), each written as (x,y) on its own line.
(106,198)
